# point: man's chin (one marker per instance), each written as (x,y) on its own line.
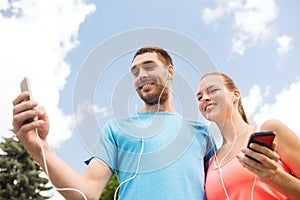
(151,100)
(153,97)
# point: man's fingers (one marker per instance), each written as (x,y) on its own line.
(20,98)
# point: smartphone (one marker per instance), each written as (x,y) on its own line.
(25,86)
(262,138)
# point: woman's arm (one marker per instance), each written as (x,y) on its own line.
(287,148)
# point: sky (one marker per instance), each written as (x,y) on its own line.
(73,48)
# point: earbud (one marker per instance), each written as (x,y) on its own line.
(234,98)
(170,73)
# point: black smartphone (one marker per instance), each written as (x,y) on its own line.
(262,138)
(25,86)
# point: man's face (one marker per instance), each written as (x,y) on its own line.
(150,77)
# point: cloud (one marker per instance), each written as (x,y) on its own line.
(252,19)
(35,38)
(4,4)
(284,44)
(283,108)
(223,7)
(87,108)
(253,100)
(211,15)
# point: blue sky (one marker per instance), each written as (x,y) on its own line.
(256,42)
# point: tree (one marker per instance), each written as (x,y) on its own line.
(109,191)
(19,174)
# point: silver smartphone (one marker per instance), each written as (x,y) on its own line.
(25,86)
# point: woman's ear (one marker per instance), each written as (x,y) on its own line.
(236,95)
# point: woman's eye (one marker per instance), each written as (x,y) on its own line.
(213,91)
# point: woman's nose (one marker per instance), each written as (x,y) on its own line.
(205,97)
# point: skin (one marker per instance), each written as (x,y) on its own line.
(151,77)
(219,105)
(287,147)
(97,174)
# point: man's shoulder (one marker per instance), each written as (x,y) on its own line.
(194,123)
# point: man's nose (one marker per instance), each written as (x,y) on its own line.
(143,74)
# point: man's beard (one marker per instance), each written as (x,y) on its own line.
(160,95)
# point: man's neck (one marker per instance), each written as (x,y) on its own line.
(167,106)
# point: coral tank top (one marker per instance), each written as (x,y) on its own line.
(239,183)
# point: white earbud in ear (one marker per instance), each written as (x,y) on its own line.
(233,98)
(169,77)
(171,72)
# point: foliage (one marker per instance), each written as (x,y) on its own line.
(19,174)
(109,191)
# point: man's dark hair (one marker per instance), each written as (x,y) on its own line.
(161,53)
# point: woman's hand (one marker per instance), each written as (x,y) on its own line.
(266,165)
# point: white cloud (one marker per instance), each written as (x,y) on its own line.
(4,5)
(285,108)
(88,107)
(253,100)
(211,15)
(252,19)
(238,44)
(284,44)
(35,38)
(223,7)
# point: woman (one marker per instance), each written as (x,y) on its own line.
(232,175)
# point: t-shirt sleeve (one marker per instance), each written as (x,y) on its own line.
(211,146)
(105,148)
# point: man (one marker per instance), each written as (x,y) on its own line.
(156,153)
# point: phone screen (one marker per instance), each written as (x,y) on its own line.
(262,138)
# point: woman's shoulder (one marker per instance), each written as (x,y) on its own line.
(284,134)
(272,125)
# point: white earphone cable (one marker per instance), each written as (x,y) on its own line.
(220,163)
(143,143)
(80,192)
(47,173)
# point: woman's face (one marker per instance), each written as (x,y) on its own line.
(214,100)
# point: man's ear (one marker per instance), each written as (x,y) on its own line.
(171,72)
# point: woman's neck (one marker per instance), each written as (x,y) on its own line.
(235,134)
(233,128)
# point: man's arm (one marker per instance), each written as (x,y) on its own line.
(91,183)
(33,137)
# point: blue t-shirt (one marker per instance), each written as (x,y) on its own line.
(167,152)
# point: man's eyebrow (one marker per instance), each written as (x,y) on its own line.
(133,68)
(143,63)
